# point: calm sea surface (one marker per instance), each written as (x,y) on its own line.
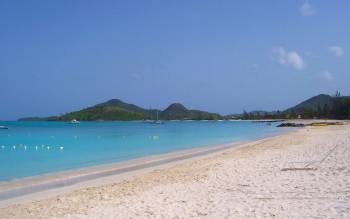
(34,148)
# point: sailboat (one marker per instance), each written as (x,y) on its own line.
(157,121)
(149,120)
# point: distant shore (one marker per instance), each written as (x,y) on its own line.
(299,174)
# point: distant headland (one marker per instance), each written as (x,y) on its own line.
(320,106)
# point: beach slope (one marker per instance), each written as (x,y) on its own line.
(303,174)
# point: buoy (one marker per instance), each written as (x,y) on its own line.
(36,148)
(61,148)
(48,147)
(14,147)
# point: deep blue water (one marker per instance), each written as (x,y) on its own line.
(34,148)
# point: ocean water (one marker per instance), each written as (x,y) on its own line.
(35,148)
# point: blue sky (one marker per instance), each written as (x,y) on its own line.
(220,56)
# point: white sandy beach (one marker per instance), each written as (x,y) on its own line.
(243,182)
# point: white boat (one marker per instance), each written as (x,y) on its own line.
(158,122)
(3,127)
(74,121)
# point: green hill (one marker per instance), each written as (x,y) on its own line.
(111,110)
(320,106)
(178,111)
(117,110)
(319,102)
(123,105)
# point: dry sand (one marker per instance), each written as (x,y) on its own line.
(244,182)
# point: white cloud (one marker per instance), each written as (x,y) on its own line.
(306,9)
(327,76)
(291,59)
(336,50)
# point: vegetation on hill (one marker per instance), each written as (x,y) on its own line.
(340,109)
(122,105)
(312,105)
(178,111)
(320,106)
(114,109)
(108,113)
(117,110)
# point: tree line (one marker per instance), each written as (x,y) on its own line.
(339,109)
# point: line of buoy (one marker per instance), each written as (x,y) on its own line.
(36,147)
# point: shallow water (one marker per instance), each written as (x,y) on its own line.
(34,148)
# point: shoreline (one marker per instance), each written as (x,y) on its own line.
(41,186)
(266,178)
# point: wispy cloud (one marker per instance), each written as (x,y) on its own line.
(289,58)
(336,50)
(306,9)
(327,75)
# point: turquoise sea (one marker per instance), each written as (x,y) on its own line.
(35,148)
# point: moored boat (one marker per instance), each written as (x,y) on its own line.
(74,121)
